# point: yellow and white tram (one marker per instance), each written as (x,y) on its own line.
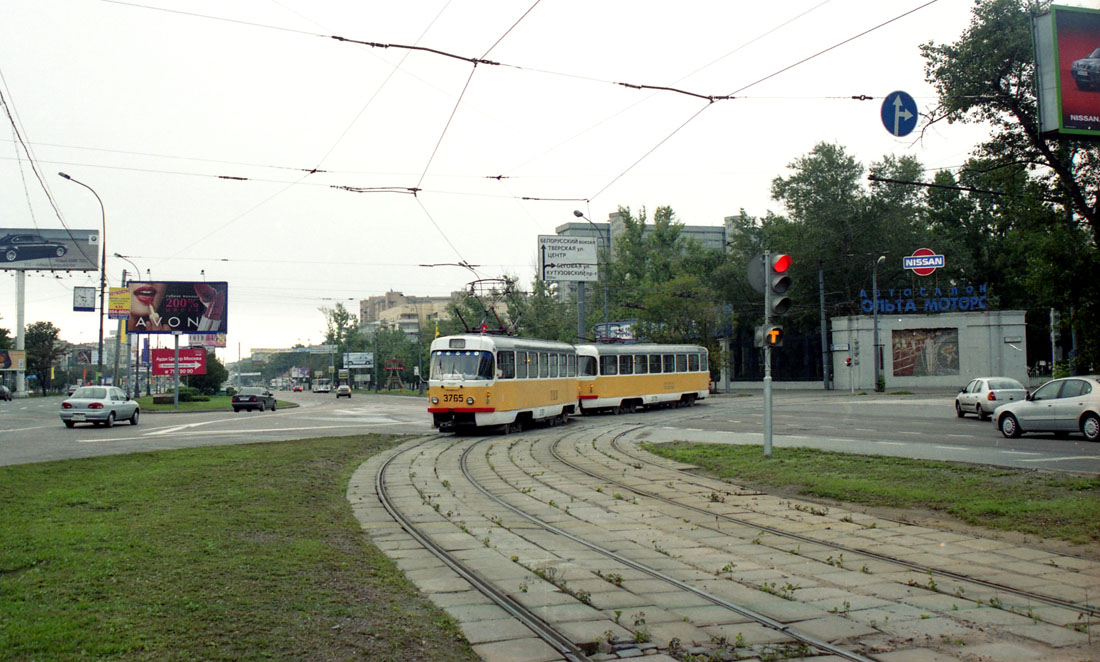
(479,380)
(619,378)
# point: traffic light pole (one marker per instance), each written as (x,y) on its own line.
(767,362)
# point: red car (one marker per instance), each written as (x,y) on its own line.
(297,389)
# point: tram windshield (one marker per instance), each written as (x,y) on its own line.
(462,364)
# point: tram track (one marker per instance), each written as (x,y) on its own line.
(1087,609)
(519,508)
(537,625)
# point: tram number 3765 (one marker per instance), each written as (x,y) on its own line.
(452,397)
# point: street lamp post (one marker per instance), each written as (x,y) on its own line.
(607,253)
(874,306)
(132,389)
(102,270)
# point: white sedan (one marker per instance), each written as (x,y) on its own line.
(984,394)
(98,405)
(1061,406)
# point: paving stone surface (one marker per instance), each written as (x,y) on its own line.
(845,596)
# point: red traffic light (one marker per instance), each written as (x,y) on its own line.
(780,263)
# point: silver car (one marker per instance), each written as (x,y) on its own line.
(1061,406)
(98,405)
(984,394)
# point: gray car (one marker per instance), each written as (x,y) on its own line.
(1061,406)
(984,394)
(98,405)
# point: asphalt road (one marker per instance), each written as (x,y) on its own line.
(921,426)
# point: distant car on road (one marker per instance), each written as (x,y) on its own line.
(297,388)
(1061,406)
(1086,71)
(98,405)
(15,247)
(5,393)
(343,391)
(984,394)
(253,397)
(320,387)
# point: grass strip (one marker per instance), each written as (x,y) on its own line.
(221,553)
(1040,503)
(215,403)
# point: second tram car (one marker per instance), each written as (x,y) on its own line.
(620,378)
(480,380)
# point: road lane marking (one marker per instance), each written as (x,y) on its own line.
(1018,453)
(1064,459)
(178,428)
(864,430)
(952,448)
(891,443)
(904,432)
(961,436)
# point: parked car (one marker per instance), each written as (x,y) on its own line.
(98,405)
(1086,71)
(1060,406)
(253,397)
(984,394)
(28,246)
(297,388)
(5,393)
(343,391)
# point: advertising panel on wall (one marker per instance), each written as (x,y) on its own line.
(30,249)
(925,352)
(192,361)
(183,306)
(1067,72)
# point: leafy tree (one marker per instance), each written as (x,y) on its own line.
(342,329)
(5,339)
(988,75)
(43,350)
(215,376)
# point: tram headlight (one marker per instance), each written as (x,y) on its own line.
(435,400)
(470,400)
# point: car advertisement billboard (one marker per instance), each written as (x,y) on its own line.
(178,306)
(192,361)
(359,360)
(1067,72)
(28,249)
(207,339)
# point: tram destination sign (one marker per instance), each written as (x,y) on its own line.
(567,258)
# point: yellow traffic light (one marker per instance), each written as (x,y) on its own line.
(773,336)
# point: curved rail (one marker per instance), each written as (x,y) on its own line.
(656,574)
(924,569)
(537,625)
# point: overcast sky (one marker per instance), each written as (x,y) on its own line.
(243,140)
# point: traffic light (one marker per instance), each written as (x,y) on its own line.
(773,336)
(848,362)
(779,281)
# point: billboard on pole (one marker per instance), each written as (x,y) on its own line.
(13,359)
(359,360)
(1067,72)
(178,306)
(29,249)
(192,361)
(564,258)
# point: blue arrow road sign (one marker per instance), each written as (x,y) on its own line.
(899,113)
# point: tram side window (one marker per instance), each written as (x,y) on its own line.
(626,364)
(521,365)
(609,365)
(506,365)
(553,366)
(693,363)
(655,363)
(640,364)
(669,361)
(704,364)
(587,366)
(544,365)
(572,369)
(681,363)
